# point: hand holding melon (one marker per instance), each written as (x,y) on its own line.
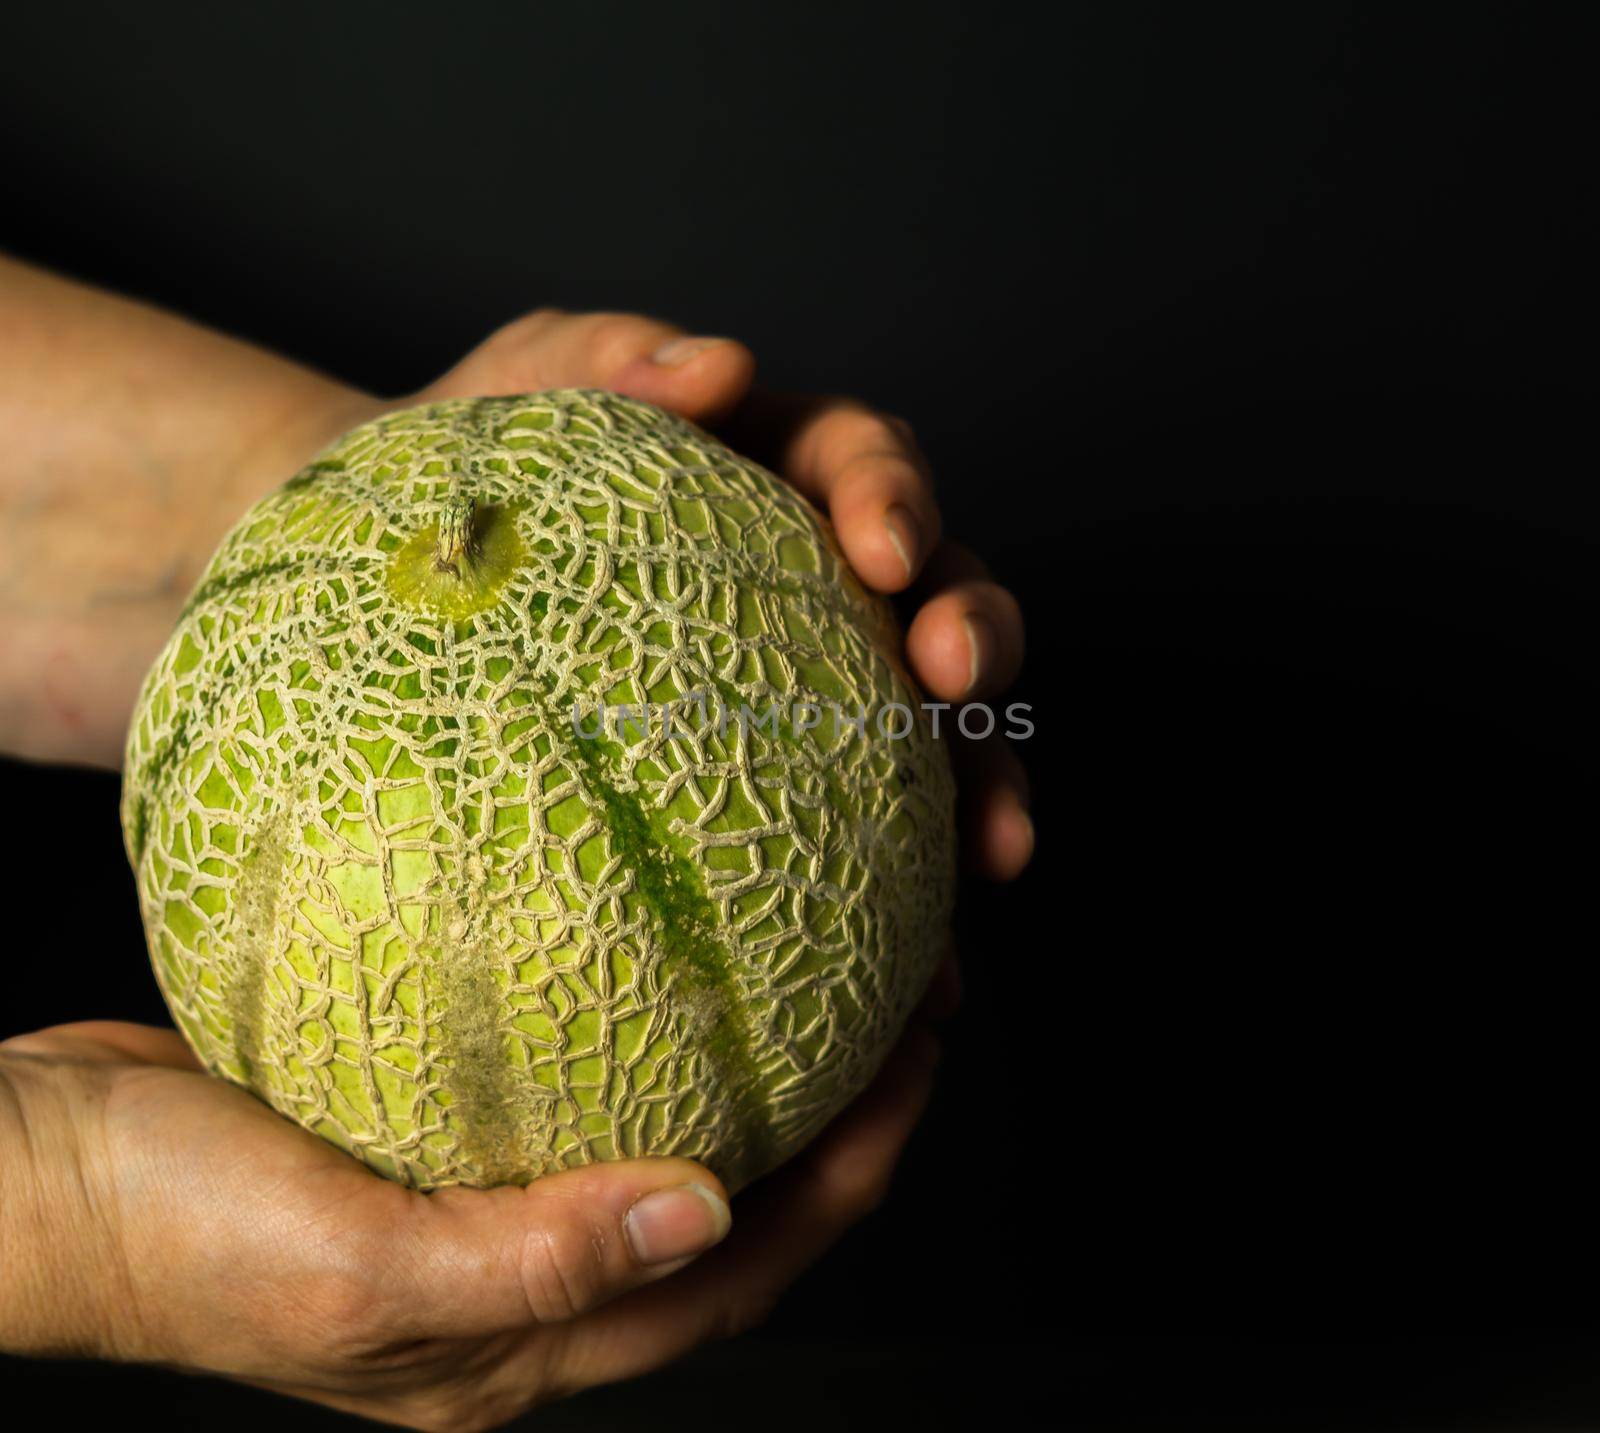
(172,1216)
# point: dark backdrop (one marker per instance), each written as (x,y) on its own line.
(1248,344)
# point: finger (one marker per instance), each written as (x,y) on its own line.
(109,1041)
(484,1261)
(785,1223)
(997,835)
(698,376)
(863,467)
(966,643)
(996,829)
(946,646)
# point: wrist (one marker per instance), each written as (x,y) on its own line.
(310,411)
(64,1288)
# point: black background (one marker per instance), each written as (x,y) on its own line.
(1250,346)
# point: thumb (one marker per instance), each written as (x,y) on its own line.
(701,378)
(485,1260)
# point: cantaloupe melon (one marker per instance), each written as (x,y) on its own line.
(406,874)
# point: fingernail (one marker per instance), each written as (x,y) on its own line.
(902,526)
(679,351)
(675,1223)
(980,645)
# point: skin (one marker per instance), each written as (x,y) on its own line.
(130,1228)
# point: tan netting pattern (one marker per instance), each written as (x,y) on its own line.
(389,886)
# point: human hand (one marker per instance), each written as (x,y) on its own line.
(151,1212)
(374,1330)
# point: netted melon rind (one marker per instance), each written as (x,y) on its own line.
(389,887)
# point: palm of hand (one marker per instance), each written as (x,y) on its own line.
(246,1246)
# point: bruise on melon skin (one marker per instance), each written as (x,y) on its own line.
(387,885)
(252,952)
(493,1113)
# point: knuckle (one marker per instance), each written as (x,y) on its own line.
(864,428)
(524,330)
(861,440)
(881,466)
(613,337)
(563,1268)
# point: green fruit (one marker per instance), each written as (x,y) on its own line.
(391,885)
